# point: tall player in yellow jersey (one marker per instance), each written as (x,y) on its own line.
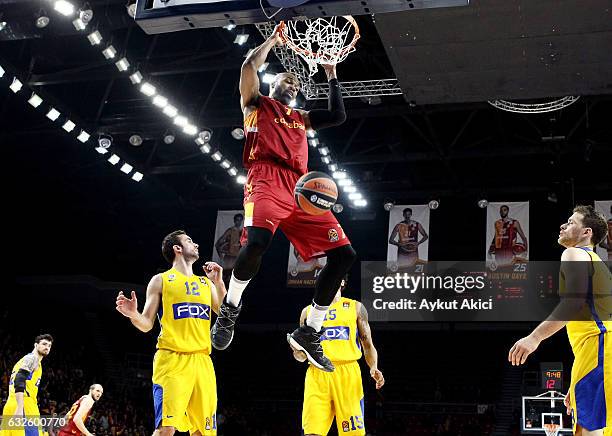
(23,387)
(346,332)
(184,383)
(589,399)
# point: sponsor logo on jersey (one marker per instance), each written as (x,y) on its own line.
(291,125)
(345,426)
(171,277)
(191,310)
(332,234)
(336,333)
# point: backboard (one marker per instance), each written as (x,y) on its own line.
(545,408)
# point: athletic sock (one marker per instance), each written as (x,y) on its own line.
(316,316)
(236,288)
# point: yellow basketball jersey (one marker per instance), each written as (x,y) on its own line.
(32,383)
(599,302)
(184,313)
(340,340)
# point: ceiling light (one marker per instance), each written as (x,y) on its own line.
(434,204)
(2,25)
(79,24)
(349,189)
(205,149)
(241,179)
(105,141)
(83,136)
(216,156)
(137,177)
(388,206)
(86,14)
(293,103)
(190,130)
(148,89)
(109,52)
(126,168)
(337,208)
(232,171)
(226,164)
(136,78)
(324,151)
(114,159)
(64,7)
(160,101)
(136,140)
(122,64)
(339,175)
(169,138)
(205,135)
(238,133)
(2,71)
(360,203)
(95,38)
(268,78)
(313,142)
(42,19)
(68,126)
(35,100)
(16,85)
(355,196)
(241,39)
(326,159)
(171,111)
(333,167)
(53,114)
(263,67)
(230,26)
(181,121)
(131,9)
(345,182)
(483,203)
(101,150)
(311,133)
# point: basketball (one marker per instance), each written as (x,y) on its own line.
(315,193)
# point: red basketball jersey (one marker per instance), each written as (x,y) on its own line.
(505,233)
(70,426)
(275,133)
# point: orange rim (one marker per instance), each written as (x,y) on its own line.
(283,34)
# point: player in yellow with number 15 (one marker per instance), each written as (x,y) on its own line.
(184,383)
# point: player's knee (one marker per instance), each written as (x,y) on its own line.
(164,431)
(343,256)
(258,241)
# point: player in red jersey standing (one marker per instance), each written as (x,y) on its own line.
(79,412)
(276,156)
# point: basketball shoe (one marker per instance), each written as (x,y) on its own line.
(308,340)
(222,332)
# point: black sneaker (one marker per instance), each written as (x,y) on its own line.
(222,332)
(308,340)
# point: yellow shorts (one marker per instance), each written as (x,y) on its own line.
(591,385)
(185,392)
(30,408)
(329,394)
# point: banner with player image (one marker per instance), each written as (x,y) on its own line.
(605,248)
(301,274)
(408,237)
(227,240)
(507,233)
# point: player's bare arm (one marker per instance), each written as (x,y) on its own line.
(335,114)
(369,351)
(214,272)
(519,230)
(128,307)
(423,233)
(222,240)
(249,80)
(394,233)
(577,281)
(84,408)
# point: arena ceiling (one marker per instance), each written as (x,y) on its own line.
(441,138)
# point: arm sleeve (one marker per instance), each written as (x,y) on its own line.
(20,380)
(334,115)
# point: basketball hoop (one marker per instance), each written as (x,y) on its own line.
(551,429)
(322,40)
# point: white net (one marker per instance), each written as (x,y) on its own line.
(322,40)
(551,429)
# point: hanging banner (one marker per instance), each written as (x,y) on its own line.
(604,249)
(408,242)
(507,234)
(227,240)
(300,273)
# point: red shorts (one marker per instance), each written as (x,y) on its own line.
(269,203)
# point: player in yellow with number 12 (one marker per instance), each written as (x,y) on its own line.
(184,383)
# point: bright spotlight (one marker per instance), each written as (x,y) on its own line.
(94,38)
(35,100)
(16,85)
(68,126)
(64,7)
(109,52)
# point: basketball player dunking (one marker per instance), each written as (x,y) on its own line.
(79,412)
(184,382)
(589,399)
(340,394)
(276,155)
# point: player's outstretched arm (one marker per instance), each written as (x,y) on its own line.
(214,272)
(249,81)
(574,268)
(369,351)
(85,406)
(335,114)
(128,307)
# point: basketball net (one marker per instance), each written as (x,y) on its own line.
(324,40)
(551,429)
